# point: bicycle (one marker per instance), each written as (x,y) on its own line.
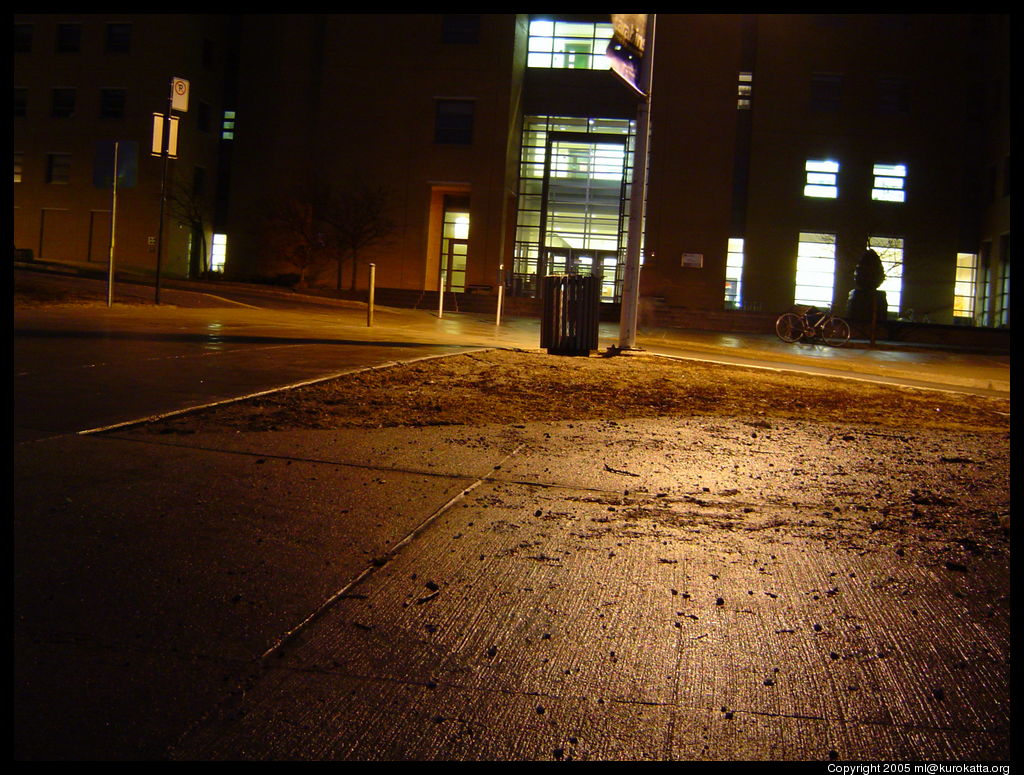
(811,323)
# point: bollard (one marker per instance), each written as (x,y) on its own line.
(369,304)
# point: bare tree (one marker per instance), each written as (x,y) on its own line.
(360,217)
(189,207)
(296,229)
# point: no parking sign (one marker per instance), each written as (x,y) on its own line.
(179,95)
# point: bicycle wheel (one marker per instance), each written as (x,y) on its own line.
(835,332)
(789,327)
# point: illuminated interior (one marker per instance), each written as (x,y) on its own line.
(890,251)
(218,252)
(571,45)
(822,179)
(965,286)
(454,243)
(815,269)
(573,201)
(734,274)
(888,183)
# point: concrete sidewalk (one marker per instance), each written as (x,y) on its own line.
(654,589)
(607,591)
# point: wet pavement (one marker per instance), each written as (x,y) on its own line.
(656,589)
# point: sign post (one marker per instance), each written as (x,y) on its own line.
(165,144)
(115,166)
(113,229)
(631,51)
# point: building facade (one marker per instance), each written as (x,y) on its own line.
(782,147)
(83,82)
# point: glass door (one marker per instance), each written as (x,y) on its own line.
(602,263)
(453,274)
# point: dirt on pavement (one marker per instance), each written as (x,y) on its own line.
(517,386)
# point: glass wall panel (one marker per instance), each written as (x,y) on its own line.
(574,176)
(815,269)
(890,251)
(571,45)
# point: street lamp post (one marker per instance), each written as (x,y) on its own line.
(638,197)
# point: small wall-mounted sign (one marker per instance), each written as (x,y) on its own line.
(693,260)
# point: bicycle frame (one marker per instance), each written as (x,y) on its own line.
(811,323)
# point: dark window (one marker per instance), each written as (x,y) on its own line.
(119,38)
(460,28)
(829,21)
(203,117)
(20,101)
(893,96)
(22,38)
(63,105)
(112,102)
(826,92)
(58,168)
(198,181)
(453,122)
(69,38)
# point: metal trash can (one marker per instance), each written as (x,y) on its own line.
(571,312)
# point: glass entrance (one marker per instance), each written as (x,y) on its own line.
(600,263)
(453,272)
(574,182)
(454,244)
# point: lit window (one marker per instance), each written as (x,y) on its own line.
(744,91)
(227,127)
(890,252)
(889,182)
(734,274)
(1002,300)
(218,252)
(965,285)
(19,160)
(815,269)
(821,179)
(571,45)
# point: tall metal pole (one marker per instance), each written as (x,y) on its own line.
(638,199)
(165,153)
(113,229)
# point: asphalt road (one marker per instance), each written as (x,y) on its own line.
(85,367)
